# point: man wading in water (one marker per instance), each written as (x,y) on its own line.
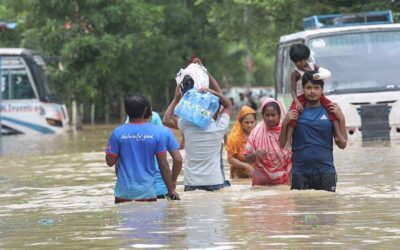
(312,139)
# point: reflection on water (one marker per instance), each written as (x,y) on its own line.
(55,191)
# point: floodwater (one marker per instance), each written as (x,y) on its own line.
(57,192)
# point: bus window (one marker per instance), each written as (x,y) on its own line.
(20,85)
(288,67)
(5,88)
(15,83)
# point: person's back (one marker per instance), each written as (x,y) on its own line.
(133,146)
(138,143)
(202,152)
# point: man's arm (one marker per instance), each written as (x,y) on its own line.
(340,128)
(176,166)
(169,119)
(214,85)
(223,100)
(166,175)
(287,131)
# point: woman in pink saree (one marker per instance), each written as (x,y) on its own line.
(272,163)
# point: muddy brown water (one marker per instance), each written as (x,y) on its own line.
(56,192)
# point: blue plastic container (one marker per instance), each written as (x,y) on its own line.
(197,107)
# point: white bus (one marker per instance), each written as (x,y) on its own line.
(364,60)
(27,105)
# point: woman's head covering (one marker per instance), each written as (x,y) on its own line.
(237,138)
(282,110)
(275,166)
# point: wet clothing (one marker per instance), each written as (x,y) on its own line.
(237,140)
(135,145)
(312,146)
(205,188)
(314,181)
(172,145)
(275,167)
(202,162)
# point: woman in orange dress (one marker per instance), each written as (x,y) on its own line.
(245,122)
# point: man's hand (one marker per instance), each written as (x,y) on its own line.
(209,90)
(335,109)
(197,60)
(291,115)
(299,107)
(173,195)
(178,93)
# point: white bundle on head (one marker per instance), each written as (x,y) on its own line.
(197,72)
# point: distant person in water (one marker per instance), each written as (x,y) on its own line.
(237,139)
(312,140)
(134,146)
(272,163)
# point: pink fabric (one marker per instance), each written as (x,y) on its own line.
(275,167)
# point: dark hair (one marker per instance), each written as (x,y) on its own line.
(254,114)
(274,105)
(186,84)
(137,106)
(148,110)
(309,77)
(298,52)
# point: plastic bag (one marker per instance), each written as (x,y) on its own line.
(197,72)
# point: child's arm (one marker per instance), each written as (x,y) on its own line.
(322,74)
(294,78)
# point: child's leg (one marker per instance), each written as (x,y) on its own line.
(325,103)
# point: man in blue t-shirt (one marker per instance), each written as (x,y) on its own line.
(312,140)
(134,146)
(173,150)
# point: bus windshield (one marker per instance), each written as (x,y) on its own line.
(359,62)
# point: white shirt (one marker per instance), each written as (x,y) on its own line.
(202,164)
